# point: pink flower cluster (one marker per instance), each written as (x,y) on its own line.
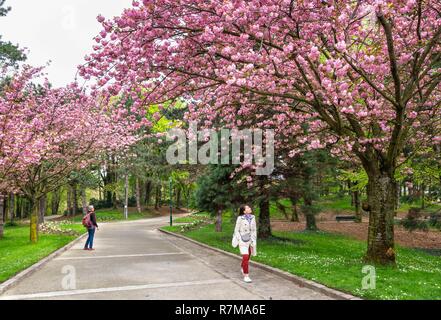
(350,75)
(56,130)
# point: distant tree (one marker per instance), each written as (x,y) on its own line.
(10,54)
(215,192)
(4,10)
(40,145)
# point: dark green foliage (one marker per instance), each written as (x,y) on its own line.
(411,224)
(215,190)
(435,221)
(304,178)
(11,224)
(413,221)
(132,201)
(4,10)
(66,212)
(10,54)
(100,204)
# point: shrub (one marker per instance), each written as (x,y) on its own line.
(79,210)
(132,201)
(414,213)
(100,204)
(435,221)
(414,224)
(11,224)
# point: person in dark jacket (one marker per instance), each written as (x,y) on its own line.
(91,230)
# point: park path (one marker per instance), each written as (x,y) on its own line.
(133,260)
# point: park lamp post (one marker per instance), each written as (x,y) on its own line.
(171,201)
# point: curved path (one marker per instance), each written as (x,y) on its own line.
(135,261)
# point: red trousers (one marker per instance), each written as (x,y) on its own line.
(246,261)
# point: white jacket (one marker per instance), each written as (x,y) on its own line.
(243,227)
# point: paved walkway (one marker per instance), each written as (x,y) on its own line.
(135,261)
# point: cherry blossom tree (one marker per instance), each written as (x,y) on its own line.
(360,77)
(48,133)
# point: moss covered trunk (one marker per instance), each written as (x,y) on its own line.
(381,191)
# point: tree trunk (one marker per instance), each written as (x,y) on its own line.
(42,206)
(109,199)
(55,202)
(28,208)
(358,216)
(282,209)
(11,207)
(311,224)
(161,195)
(148,191)
(264,229)
(34,221)
(351,193)
(75,199)
(157,197)
(69,200)
(187,195)
(423,190)
(178,198)
(2,222)
(84,200)
(219,220)
(126,196)
(138,196)
(18,207)
(294,212)
(381,191)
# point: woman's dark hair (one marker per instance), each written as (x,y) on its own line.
(242,209)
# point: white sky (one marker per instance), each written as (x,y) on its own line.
(61,31)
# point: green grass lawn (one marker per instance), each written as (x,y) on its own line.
(336,261)
(334,203)
(17,253)
(430,207)
(342,204)
(108,215)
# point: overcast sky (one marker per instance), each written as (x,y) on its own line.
(58,30)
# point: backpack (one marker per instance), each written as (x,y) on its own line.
(87,222)
(246,237)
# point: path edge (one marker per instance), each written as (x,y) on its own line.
(302,282)
(8,284)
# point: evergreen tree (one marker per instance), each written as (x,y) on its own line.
(10,54)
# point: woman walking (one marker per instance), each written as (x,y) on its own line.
(245,236)
(89,221)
